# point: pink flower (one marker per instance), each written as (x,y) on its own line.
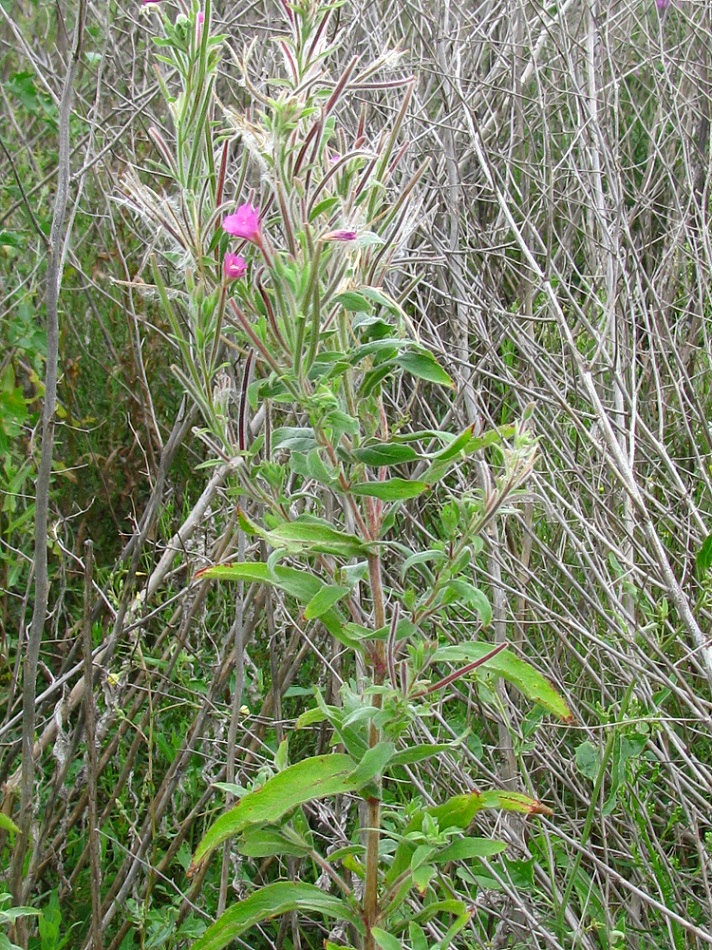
(150,1)
(200,19)
(663,4)
(245,223)
(234,267)
(342,234)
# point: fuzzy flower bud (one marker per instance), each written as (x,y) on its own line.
(342,234)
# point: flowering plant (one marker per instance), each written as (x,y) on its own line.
(325,469)
(245,223)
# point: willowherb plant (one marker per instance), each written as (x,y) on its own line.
(292,277)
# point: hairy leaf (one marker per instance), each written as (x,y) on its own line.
(272,901)
(465,848)
(316,777)
(521,674)
(324,600)
(385,453)
(392,489)
(423,364)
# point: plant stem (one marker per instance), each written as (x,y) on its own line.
(593,805)
(57,243)
(373,821)
(92,757)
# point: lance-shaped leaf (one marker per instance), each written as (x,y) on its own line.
(468,848)
(299,584)
(422,363)
(416,753)
(703,561)
(304,587)
(270,901)
(385,453)
(513,801)
(458,444)
(309,534)
(392,489)
(458,812)
(462,592)
(295,439)
(318,538)
(374,762)
(521,674)
(264,842)
(385,940)
(324,600)
(350,300)
(316,777)
(7,824)
(381,298)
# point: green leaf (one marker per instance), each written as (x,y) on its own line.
(13,408)
(369,238)
(341,423)
(309,717)
(459,810)
(350,300)
(385,940)
(422,877)
(316,777)
(450,906)
(624,749)
(383,350)
(392,489)
(521,674)
(513,801)
(456,812)
(459,925)
(465,848)
(422,363)
(703,562)
(295,439)
(422,557)
(324,600)
(491,437)
(316,536)
(313,466)
(383,300)
(7,824)
(419,752)
(232,787)
(588,760)
(463,592)
(531,683)
(264,842)
(418,940)
(458,444)
(326,205)
(299,584)
(11,914)
(373,763)
(437,470)
(385,453)
(271,901)
(374,377)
